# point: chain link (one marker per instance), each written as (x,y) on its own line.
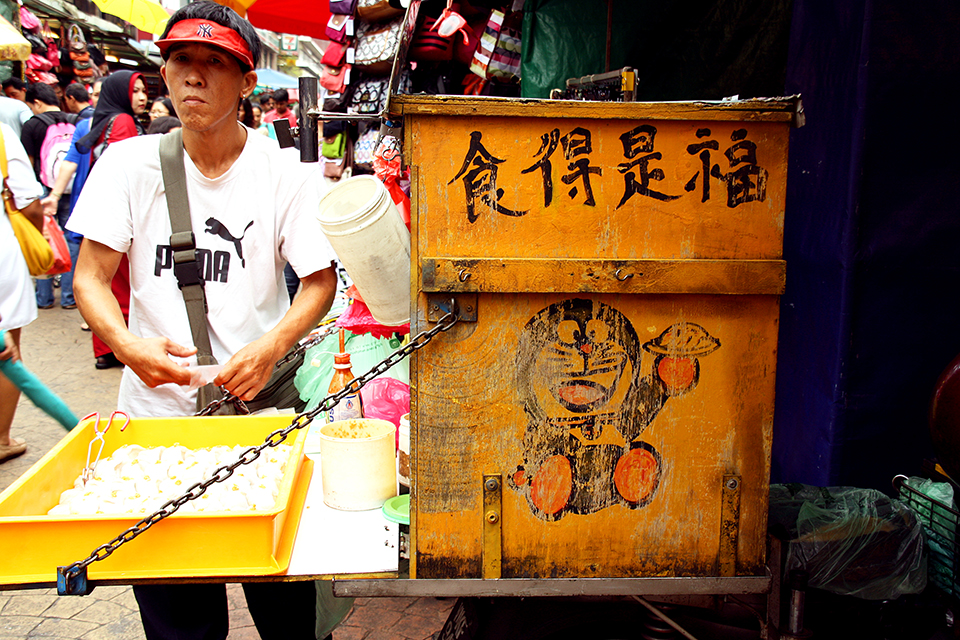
(277,437)
(240,405)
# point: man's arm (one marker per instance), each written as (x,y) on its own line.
(64,176)
(34,213)
(246,373)
(28,138)
(149,358)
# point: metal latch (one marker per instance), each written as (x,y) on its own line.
(439,304)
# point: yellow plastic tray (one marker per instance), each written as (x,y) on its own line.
(189,545)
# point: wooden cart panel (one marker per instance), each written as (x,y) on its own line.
(616,377)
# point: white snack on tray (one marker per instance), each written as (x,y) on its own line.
(139,480)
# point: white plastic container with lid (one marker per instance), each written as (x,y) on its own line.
(365,229)
(358,463)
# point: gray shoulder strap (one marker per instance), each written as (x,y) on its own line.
(184,244)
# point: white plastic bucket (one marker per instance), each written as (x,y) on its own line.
(358,463)
(364,227)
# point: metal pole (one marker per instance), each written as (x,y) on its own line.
(309,127)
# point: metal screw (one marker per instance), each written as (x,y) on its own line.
(491,484)
(436,307)
(493,517)
(469,308)
(732,484)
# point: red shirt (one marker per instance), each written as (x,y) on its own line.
(273,115)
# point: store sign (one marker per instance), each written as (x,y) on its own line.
(289,44)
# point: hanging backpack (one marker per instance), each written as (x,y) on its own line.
(55,145)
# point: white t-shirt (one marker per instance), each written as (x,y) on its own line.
(18,302)
(248,223)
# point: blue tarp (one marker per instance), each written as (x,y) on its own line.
(270,79)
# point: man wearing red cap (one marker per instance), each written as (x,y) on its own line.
(252,210)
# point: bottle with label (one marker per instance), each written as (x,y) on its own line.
(351,406)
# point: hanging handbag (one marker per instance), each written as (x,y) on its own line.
(53,234)
(335,55)
(339,168)
(335,79)
(78,43)
(377,10)
(370,95)
(488,42)
(377,46)
(339,28)
(280,391)
(36,250)
(334,146)
(365,146)
(343,7)
(505,61)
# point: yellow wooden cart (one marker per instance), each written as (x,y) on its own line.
(600,420)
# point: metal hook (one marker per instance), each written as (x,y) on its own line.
(624,278)
(90,468)
(464,275)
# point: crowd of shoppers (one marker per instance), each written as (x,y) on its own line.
(108,196)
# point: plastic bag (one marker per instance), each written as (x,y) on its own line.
(313,378)
(386,399)
(61,253)
(851,541)
(357,319)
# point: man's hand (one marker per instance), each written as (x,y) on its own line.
(10,351)
(248,371)
(50,205)
(149,358)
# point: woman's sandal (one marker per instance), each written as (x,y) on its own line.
(18,448)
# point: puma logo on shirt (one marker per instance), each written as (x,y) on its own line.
(214,266)
(216,228)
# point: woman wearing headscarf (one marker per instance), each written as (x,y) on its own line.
(123,97)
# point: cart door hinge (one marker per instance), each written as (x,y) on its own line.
(729,525)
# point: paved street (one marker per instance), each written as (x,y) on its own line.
(60,354)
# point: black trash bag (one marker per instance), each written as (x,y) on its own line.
(856,542)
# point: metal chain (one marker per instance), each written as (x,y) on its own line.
(239,404)
(277,437)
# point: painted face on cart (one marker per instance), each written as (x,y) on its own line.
(206,84)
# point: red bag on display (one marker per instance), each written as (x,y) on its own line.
(335,55)
(61,252)
(387,166)
(335,79)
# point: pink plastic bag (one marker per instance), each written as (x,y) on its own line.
(358,319)
(386,399)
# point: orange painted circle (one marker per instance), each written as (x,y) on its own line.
(678,374)
(551,486)
(636,475)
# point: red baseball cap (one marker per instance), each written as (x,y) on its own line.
(207,32)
